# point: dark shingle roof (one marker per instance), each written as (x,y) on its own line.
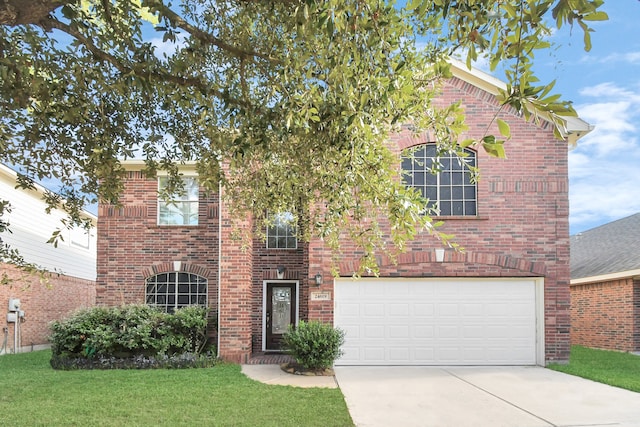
(610,248)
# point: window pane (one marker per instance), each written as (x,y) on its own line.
(457,208)
(456,193)
(445,208)
(457,178)
(445,193)
(432,193)
(445,178)
(469,193)
(470,208)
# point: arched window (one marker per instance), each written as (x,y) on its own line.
(174,290)
(445,180)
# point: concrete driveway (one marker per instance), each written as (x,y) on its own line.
(482,396)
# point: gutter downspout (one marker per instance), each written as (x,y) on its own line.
(219,261)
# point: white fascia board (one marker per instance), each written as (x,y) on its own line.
(139,164)
(606,277)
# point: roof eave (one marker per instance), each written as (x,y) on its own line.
(574,129)
(606,277)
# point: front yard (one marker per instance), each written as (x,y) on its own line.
(609,367)
(35,394)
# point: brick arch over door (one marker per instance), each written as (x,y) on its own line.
(414,263)
(179,266)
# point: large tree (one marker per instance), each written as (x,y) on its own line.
(287,104)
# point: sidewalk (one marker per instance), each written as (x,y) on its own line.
(273,374)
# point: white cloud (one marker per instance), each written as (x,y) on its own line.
(604,169)
(628,57)
(168,48)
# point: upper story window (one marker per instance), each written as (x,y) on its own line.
(180,208)
(282,232)
(171,291)
(445,180)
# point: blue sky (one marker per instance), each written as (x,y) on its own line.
(604,84)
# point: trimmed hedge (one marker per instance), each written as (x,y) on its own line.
(143,336)
(313,344)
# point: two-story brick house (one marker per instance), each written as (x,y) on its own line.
(504,300)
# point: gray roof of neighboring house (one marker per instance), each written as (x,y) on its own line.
(610,248)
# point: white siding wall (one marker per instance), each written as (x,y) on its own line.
(31,227)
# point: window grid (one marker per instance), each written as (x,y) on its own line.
(171,291)
(181,209)
(282,234)
(450,188)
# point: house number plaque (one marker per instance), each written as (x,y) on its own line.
(321,296)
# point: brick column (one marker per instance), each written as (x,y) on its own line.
(235,289)
(320,262)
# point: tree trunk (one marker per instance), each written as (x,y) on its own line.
(21,12)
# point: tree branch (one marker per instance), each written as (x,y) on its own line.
(204,36)
(142,70)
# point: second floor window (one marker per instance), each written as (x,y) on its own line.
(180,208)
(445,180)
(282,232)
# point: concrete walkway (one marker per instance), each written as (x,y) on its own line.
(272,374)
(482,396)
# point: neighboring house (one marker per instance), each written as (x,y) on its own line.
(605,286)
(503,301)
(71,284)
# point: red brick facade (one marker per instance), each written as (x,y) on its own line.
(42,302)
(521,230)
(606,314)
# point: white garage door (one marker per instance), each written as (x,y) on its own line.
(439,321)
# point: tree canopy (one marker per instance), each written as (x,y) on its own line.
(288,104)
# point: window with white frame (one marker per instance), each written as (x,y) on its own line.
(282,232)
(444,179)
(180,208)
(171,291)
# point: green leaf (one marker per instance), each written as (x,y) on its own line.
(504,128)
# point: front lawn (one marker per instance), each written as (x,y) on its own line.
(32,393)
(609,367)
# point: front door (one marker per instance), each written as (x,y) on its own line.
(280,312)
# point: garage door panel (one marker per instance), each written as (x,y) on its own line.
(437,322)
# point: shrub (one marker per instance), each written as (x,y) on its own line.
(313,344)
(132,331)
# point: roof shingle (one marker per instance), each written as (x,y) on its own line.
(609,248)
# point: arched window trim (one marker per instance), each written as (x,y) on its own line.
(451,189)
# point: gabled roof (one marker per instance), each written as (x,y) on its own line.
(574,129)
(607,252)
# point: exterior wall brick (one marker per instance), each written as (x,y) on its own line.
(132,246)
(606,315)
(521,230)
(42,302)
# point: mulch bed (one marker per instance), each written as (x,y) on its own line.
(297,369)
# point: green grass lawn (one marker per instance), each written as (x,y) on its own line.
(33,394)
(609,367)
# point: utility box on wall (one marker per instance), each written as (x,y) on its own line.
(14,304)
